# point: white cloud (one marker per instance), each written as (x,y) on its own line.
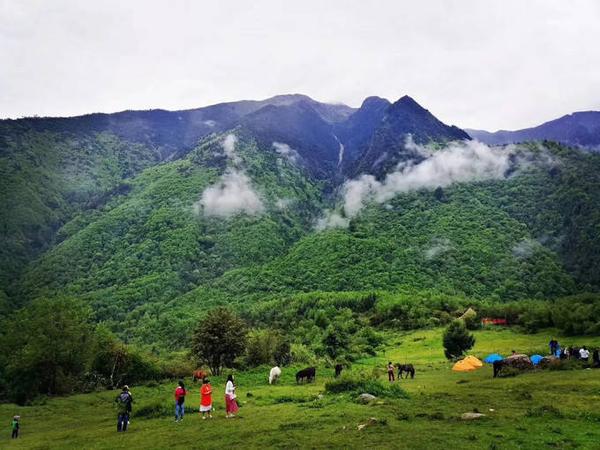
(286,151)
(465,161)
(331,219)
(458,162)
(229,148)
(438,247)
(233,193)
(284,203)
(525,248)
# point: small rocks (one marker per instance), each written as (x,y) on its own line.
(366,398)
(472,416)
(372,421)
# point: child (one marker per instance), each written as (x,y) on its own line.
(206,399)
(15,427)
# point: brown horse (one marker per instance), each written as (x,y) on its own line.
(199,374)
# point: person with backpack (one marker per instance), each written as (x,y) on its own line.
(123,401)
(180,394)
(15,427)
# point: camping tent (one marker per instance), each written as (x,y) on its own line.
(473,361)
(535,359)
(470,313)
(490,359)
(463,366)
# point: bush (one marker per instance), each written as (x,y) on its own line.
(361,383)
(301,354)
(267,347)
(457,340)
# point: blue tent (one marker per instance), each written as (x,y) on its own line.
(535,359)
(493,357)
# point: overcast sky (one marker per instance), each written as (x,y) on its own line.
(477,64)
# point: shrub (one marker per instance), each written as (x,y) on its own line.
(457,339)
(301,354)
(360,383)
(267,347)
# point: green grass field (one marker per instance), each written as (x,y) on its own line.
(540,409)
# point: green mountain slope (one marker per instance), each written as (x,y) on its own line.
(154,244)
(152,241)
(46,178)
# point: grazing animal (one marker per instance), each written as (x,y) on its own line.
(338,370)
(408,368)
(274,375)
(199,374)
(307,374)
(521,362)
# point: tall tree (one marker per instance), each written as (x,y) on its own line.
(219,339)
(457,339)
(48,345)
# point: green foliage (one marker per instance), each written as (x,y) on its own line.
(119,364)
(267,347)
(219,338)
(361,383)
(47,347)
(457,340)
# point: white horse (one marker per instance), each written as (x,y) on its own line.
(274,374)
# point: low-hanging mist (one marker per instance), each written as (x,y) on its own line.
(233,193)
(463,161)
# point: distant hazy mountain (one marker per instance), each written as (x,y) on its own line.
(580,129)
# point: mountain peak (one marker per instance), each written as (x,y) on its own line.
(409,103)
(374,101)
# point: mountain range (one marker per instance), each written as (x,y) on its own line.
(154,216)
(580,129)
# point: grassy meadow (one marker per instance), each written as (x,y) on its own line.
(540,409)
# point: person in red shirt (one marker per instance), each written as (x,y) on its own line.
(206,399)
(180,394)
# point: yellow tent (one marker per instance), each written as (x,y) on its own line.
(463,366)
(473,361)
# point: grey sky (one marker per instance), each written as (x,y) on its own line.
(478,64)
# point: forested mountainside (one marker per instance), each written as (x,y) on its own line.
(154,216)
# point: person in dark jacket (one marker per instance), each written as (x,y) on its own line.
(123,401)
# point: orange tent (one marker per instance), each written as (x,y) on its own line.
(463,366)
(473,361)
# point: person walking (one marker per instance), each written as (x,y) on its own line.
(584,354)
(231,406)
(180,394)
(206,399)
(123,401)
(15,426)
(390,371)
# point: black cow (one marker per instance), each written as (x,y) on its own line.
(307,374)
(338,370)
